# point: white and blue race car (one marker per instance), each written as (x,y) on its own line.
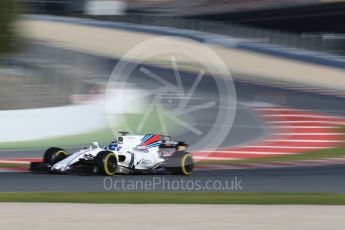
(129,154)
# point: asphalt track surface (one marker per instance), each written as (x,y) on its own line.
(246,127)
(328,179)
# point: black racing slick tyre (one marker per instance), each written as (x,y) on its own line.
(54,155)
(106,163)
(181,163)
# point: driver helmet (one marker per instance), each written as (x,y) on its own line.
(112,146)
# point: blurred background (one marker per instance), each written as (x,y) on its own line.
(60,53)
(308,24)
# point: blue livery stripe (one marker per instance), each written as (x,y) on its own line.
(146,137)
(155,144)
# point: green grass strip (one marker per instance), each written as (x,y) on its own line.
(13,165)
(177,198)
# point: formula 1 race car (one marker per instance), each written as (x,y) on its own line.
(129,154)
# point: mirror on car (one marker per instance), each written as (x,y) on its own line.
(95,143)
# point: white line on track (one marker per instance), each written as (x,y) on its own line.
(246,152)
(303,116)
(276,109)
(214,158)
(336,123)
(297,140)
(283,147)
(292,110)
(13,162)
(300,126)
(308,134)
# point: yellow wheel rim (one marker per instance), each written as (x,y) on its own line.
(60,152)
(183,164)
(106,169)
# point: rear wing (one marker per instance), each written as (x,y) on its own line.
(178,145)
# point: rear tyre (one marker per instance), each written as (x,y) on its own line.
(54,155)
(181,163)
(106,163)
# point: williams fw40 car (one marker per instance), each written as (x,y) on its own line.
(129,154)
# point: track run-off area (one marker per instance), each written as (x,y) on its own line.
(290,131)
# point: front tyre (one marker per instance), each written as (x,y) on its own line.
(106,163)
(181,163)
(54,155)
